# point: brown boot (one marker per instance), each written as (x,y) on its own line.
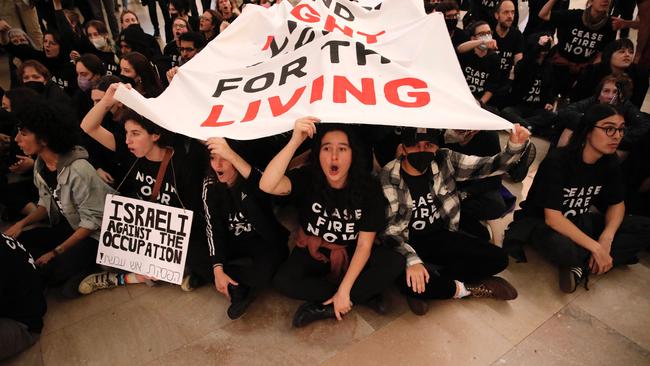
(417,306)
(493,287)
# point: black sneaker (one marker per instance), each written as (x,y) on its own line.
(571,277)
(240,299)
(309,312)
(378,303)
(418,306)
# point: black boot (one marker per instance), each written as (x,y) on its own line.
(240,299)
(310,312)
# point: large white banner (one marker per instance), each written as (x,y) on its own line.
(145,238)
(333,59)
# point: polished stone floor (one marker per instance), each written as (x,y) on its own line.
(139,325)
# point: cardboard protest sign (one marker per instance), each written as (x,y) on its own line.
(334,59)
(145,238)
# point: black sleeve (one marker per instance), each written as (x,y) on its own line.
(68,35)
(373,217)
(25,52)
(549,183)
(493,81)
(614,190)
(252,183)
(300,179)
(640,84)
(560,18)
(637,125)
(215,226)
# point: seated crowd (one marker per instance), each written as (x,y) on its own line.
(376,206)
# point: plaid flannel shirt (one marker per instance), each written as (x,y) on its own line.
(448,168)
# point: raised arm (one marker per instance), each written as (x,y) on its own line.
(274,181)
(92,122)
(473,167)
(219,146)
(545,12)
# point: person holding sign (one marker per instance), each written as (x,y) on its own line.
(424,215)
(71,197)
(156,160)
(335,263)
(246,242)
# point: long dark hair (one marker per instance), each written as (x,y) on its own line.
(150,85)
(594,114)
(619,44)
(358,176)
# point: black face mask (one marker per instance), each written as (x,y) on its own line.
(451,24)
(36,86)
(420,160)
(127,80)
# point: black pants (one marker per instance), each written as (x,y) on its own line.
(476,208)
(302,277)
(632,236)
(153,15)
(74,262)
(15,336)
(17,195)
(254,263)
(451,256)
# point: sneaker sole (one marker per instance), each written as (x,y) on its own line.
(568,283)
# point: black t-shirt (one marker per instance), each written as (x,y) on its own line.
(330,219)
(425,220)
(239,225)
(458,37)
(140,182)
(481,73)
(576,42)
(63,74)
(566,184)
(50,178)
(21,290)
(171,50)
(108,59)
(509,46)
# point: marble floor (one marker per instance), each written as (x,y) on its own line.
(139,325)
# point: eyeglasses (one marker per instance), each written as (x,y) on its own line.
(180,26)
(611,131)
(186,49)
(452,16)
(481,34)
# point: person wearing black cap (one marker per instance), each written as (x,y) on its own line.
(423,218)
